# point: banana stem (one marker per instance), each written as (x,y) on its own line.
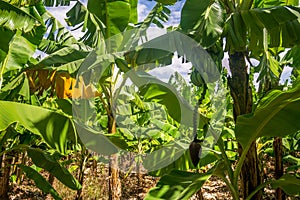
(196,113)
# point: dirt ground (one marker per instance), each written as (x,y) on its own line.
(134,187)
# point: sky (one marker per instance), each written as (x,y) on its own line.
(145,6)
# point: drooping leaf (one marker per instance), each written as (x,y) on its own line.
(19,52)
(191,12)
(48,162)
(167,2)
(155,90)
(293,57)
(184,163)
(18,86)
(158,14)
(55,128)
(146,56)
(288,183)
(80,17)
(13,18)
(96,141)
(177,185)
(56,3)
(102,19)
(40,181)
(208,27)
(276,115)
(269,69)
(282,24)
(165,156)
(133,11)
(26,19)
(272,3)
(57,36)
(5,42)
(63,57)
(236,36)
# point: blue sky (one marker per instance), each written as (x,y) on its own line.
(144,7)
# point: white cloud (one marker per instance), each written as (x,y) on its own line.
(164,73)
(142,11)
(60,13)
(174,19)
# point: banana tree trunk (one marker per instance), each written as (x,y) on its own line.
(241,93)
(114,181)
(277,145)
(4,176)
(84,156)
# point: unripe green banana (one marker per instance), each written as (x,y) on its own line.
(196,78)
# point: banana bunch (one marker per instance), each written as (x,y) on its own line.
(207,64)
(196,78)
(216,53)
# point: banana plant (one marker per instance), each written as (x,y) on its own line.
(24,127)
(250,29)
(102,22)
(31,80)
(267,120)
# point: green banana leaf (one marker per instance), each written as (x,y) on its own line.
(48,162)
(165,156)
(26,19)
(67,59)
(17,86)
(277,115)
(183,163)
(97,141)
(51,3)
(272,3)
(4,41)
(282,25)
(54,127)
(167,2)
(63,56)
(192,12)
(177,185)
(293,57)
(114,14)
(19,52)
(288,183)
(133,11)
(205,19)
(155,90)
(13,18)
(102,18)
(79,17)
(158,14)
(40,181)
(57,35)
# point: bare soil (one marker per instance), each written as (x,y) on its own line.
(134,187)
